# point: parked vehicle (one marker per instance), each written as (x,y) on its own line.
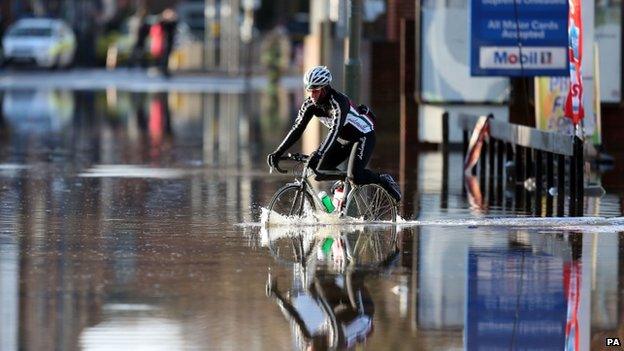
(46,42)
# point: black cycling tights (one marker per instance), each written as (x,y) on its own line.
(339,153)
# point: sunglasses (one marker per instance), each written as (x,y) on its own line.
(314,88)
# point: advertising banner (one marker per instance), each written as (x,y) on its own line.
(573,108)
(550,97)
(519,38)
(551,92)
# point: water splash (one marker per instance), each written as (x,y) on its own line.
(536,222)
(316,218)
(309,218)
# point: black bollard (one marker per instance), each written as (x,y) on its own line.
(483,164)
(550,182)
(573,180)
(580,184)
(538,181)
(445,160)
(560,185)
(528,174)
(500,153)
(519,174)
(491,168)
(465,143)
(445,132)
(491,157)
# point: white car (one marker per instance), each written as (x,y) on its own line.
(46,42)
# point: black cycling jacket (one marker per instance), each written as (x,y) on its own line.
(335,111)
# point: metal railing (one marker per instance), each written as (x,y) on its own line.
(523,155)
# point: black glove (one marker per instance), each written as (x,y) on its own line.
(273,159)
(314,159)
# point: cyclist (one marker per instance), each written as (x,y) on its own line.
(347,125)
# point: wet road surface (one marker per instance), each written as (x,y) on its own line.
(131,219)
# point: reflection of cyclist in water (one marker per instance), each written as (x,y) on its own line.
(330,311)
(328,305)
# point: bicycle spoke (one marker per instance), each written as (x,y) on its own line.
(386,211)
(299,204)
(383,208)
(378,249)
(369,208)
(291,201)
(371,203)
(360,202)
(293,205)
(376,204)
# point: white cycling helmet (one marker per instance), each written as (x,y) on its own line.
(317,77)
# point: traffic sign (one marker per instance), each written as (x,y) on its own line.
(519,38)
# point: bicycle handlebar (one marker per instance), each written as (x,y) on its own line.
(301,158)
(296,157)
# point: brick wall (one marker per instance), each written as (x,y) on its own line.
(613,127)
(385,72)
(612,131)
(384,86)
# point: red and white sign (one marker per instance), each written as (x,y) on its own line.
(573,108)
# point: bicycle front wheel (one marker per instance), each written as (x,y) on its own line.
(371,202)
(291,200)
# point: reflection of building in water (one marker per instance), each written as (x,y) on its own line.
(440,301)
(9,287)
(46,291)
(226,130)
(46,295)
(55,290)
(544,269)
(225,125)
(128,325)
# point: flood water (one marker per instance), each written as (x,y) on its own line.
(131,221)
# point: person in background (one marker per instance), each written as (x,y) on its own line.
(169,23)
(139,30)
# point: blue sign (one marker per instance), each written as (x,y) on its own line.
(519,38)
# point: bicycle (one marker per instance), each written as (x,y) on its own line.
(368,202)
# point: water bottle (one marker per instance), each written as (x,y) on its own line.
(327,245)
(338,196)
(327,202)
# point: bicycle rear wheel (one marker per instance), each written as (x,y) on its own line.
(292,200)
(371,202)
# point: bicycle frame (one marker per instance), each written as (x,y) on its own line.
(306,185)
